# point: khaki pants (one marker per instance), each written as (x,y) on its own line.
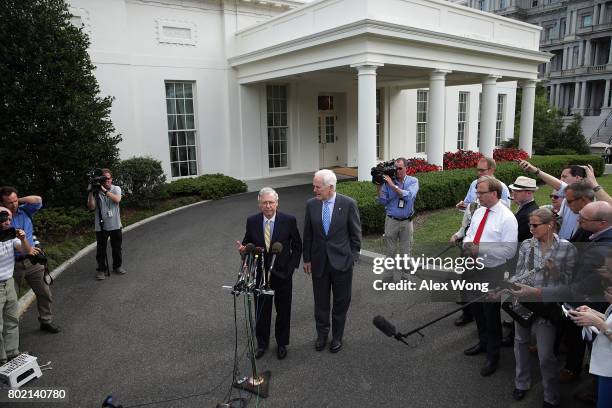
(9,320)
(34,275)
(397,232)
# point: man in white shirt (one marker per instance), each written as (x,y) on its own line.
(486,167)
(492,237)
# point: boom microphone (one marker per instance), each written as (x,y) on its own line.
(385,326)
(276,249)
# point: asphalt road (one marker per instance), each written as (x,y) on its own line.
(165,331)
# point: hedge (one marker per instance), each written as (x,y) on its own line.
(444,189)
(207,186)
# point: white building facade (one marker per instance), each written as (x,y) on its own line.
(257,89)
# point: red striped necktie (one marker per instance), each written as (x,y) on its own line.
(476,240)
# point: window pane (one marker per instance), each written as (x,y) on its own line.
(184,169)
(190,138)
(180,122)
(193,168)
(175,169)
(188,90)
(170,90)
(188,105)
(172,137)
(171,122)
(180,106)
(189,122)
(173,154)
(170,106)
(191,152)
(179,90)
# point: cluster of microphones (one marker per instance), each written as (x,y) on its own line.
(253,276)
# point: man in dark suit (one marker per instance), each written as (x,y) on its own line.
(523,190)
(263,230)
(332,241)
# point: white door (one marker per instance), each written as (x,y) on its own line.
(328,146)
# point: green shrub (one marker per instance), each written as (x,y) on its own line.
(444,189)
(58,222)
(207,186)
(140,179)
(560,151)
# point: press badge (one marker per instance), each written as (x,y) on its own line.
(401,203)
(109,213)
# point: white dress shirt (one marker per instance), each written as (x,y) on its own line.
(498,241)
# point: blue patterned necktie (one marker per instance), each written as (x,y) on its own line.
(326,217)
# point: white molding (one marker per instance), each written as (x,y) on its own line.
(83,15)
(185,32)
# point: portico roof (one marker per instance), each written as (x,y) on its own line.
(394,34)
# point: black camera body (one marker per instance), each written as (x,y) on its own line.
(96,179)
(8,234)
(381,169)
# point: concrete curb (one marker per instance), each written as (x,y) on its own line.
(28,298)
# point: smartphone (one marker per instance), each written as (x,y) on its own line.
(568,307)
(509,285)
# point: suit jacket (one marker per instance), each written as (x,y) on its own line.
(341,245)
(587,283)
(286,232)
(522,218)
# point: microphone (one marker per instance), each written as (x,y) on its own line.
(276,248)
(385,326)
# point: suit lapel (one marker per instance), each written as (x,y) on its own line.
(338,208)
(277,226)
(259,234)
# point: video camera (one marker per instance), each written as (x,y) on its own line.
(381,169)
(96,178)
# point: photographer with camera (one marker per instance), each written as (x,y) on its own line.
(397,195)
(104,198)
(11,240)
(30,266)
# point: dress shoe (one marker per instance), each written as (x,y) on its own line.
(100,275)
(566,376)
(335,346)
(474,350)
(50,328)
(518,394)
(260,352)
(549,405)
(489,368)
(463,320)
(119,271)
(507,341)
(320,343)
(281,352)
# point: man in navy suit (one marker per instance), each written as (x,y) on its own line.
(332,241)
(263,230)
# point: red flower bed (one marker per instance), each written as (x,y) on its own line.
(501,155)
(461,159)
(419,166)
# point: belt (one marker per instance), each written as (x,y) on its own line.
(21,258)
(401,219)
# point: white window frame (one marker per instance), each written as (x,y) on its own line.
(500,119)
(182,130)
(462,118)
(277,124)
(421,121)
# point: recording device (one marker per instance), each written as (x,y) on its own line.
(385,326)
(96,179)
(509,285)
(4,216)
(383,169)
(8,234)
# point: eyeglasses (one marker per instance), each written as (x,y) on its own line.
(479,193)
(534,225)
(582,218)
(399,168)
(554,197)
(482,170)
(571,201)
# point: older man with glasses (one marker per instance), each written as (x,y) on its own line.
(485,167)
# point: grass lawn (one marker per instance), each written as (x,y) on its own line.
(438,226)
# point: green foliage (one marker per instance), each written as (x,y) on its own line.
(207,186)
(141,178)
(444,189)
(54,126)
(573,138)
(59,222)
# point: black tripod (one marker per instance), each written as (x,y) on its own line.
(101,222)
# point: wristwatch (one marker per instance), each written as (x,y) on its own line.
(608,332)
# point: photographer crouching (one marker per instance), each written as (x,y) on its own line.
(30,265)
(397,192)
(104,198)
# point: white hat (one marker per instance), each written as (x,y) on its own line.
(523,183)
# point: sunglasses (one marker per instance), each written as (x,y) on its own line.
(554,197)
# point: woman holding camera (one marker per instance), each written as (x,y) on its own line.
(544,260)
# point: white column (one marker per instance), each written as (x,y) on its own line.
(595,14)
(587,54)
(527,108)
(488,115)
(583,95)
(565,58)
(610,53)
(366,119)
(580,54)
(606,94)
(574,15)
(558,96)
(436,111)
(602,14)
(576,96)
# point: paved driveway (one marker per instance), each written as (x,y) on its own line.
(166,330)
